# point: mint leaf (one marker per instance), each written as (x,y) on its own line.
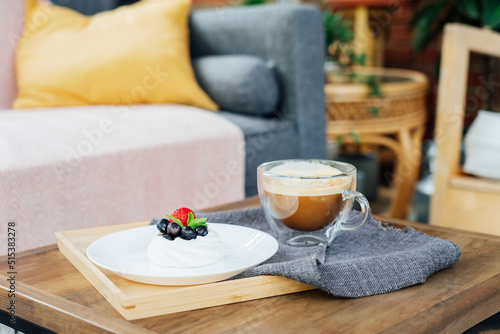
(175,220)
(194,223)
(190,217)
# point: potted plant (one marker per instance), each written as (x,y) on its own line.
(342,59)
(428,23)
(366,106)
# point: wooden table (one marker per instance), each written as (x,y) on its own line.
(53,294)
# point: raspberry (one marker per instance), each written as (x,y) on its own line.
(182,214)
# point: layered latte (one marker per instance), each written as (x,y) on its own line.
(305,195)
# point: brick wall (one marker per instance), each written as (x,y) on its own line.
(399,54)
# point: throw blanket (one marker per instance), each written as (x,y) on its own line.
(72,168)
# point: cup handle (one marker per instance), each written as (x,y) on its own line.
(349,196)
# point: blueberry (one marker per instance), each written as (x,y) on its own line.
(188,233)
(174,229)
(162,225)
(168,236)
(201,231)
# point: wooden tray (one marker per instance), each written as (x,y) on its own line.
(137,300)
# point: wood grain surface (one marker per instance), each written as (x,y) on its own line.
(52,293)
(137,300)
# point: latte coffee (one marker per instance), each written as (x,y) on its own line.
(305,196)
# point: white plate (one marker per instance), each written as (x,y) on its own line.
(125,253)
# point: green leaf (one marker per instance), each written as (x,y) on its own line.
(355,136)
(195,226)
(339,140)
(336,28)
(175,220)
(372,83)
(197,223)
(425,21)
(428,14)
(469,8)
(491,14)
(373,111)
(197,220)
(359,59)
(418,16)
(421,38)
(253,2)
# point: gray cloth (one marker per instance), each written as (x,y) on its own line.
(371,260)
(238,83)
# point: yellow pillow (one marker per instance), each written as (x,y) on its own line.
(131,55)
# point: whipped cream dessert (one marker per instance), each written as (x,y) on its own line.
(181,253)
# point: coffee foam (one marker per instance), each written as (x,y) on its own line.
(306,187)
(305,169)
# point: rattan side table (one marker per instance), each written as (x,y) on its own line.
(399,125)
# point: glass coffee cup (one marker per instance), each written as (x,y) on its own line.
(306,202)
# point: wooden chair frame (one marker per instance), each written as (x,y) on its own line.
(461,201)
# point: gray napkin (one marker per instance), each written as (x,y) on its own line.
(370,260)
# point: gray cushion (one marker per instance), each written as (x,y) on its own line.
(238,83)
(87,7)
(291,36)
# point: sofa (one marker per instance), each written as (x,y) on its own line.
(144,164)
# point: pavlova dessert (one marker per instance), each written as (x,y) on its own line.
(185,241)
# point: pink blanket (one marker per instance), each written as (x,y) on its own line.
(71,168)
